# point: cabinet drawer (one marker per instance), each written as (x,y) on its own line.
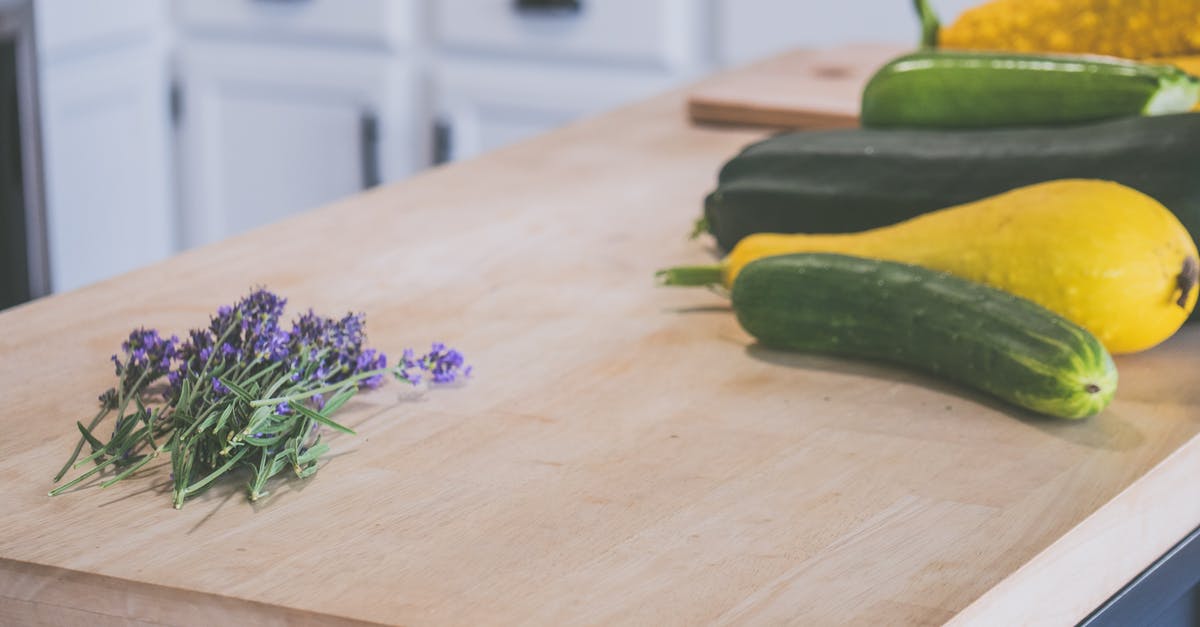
(65,27)
(746,30)
(484,106)
(371,22)
(660,33)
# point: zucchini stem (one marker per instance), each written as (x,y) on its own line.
(691,276)
(1177,92)
(930,25)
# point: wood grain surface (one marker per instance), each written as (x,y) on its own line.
(796,89)
(625,454)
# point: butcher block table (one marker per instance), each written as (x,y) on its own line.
(623,454)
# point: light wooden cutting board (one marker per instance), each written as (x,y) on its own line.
(624,454)
(798,89)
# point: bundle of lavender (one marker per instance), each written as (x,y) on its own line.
(244,393)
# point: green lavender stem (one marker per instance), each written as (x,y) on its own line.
(104,411)
(325,389)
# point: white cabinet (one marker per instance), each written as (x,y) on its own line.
(287,106)
(745,30)
(484,105)
(105,134)
(269,130)
(376,23)
(663,34)
(509,69)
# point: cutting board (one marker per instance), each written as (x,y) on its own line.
(623,455)
(797,89)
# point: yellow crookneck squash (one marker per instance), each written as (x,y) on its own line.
(1134,29)
(1105,256)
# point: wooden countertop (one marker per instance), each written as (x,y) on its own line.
(624,454)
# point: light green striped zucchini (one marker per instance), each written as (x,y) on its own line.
(966,89)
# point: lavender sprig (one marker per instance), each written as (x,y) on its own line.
(242,393)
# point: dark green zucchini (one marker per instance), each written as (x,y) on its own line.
(953,328)
(841,181)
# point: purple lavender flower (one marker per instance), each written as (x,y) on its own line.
(198,339)
(108,400)
(347,333)
(271,344)
(190,357)
(147,356)
(308,330)
(444,365)
(219,387)
(407,363)
(369,360)
(223,322)
(283,409)
(262,305)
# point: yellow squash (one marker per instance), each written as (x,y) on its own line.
(1133,29)
(1105,256)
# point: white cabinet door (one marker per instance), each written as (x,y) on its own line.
(483,105)
(108,171)
(746,30)
(662,34)
(272,130)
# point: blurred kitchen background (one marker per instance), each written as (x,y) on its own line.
(133,129)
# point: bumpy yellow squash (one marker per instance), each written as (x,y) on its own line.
(1123,28)
(1109,258)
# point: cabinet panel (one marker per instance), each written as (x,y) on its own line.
(82,26)
(486,105)
(661,33)
(750,29)
(271,165)
(390,22)
(107,164)
(272,131)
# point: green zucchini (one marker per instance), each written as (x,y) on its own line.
(967,89)
(953,328)
(848,180)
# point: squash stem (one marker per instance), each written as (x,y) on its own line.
(1187,280)
(930,25)
(691,276)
